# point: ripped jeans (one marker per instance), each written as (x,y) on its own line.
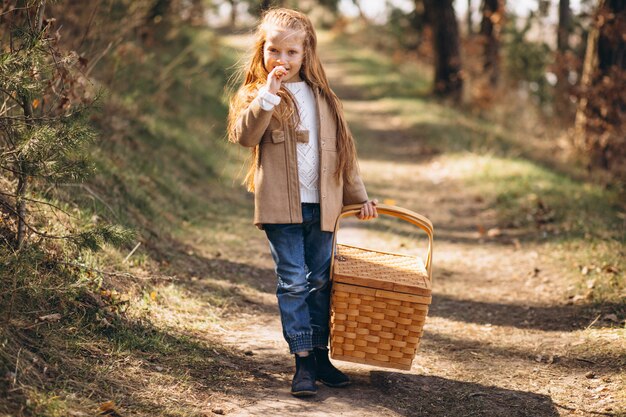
(302,254)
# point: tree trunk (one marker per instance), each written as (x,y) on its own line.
(490,28)
(22,173)
(20,205)
(362,15)
(196,13)
(159,10)
(561,93)
(600,133)
(448,78)
(265,5)
(233,13)
(565,18)
(470,26)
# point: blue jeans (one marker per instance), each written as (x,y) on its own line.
(302,254)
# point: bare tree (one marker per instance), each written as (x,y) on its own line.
(468,16)
(561,96)
(490,29)
(233,13)
(362,15)
(600,127)
(448,78)
(565,19)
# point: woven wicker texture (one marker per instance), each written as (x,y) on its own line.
(384,269)
(379,300)
(375,327)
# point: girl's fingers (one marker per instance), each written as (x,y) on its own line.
(274,78)
(368,210)
(279,71)
(274,74)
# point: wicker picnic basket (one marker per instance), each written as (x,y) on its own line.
(379,300)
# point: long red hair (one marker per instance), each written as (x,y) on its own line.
(311,71)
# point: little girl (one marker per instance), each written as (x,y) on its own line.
(303,170)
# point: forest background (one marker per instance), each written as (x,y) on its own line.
(112,144)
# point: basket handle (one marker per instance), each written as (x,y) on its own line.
(394,211)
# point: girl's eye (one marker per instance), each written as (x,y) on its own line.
(293,52)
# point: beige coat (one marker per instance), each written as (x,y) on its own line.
(277,187)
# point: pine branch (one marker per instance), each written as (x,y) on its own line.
(90,239)
(119,274)
(29,227)
(93,194)
(32,200)
(14,9)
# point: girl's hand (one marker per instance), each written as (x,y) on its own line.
(368,211)
(274,79)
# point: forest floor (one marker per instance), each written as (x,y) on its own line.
(502,337)
(515,327)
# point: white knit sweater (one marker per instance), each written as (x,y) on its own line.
(308,153)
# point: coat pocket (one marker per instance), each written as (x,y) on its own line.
(278,136)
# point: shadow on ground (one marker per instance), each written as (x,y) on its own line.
(548,318)
(460,349)
(102,365)
(410,395)
(214,276)
(418,395)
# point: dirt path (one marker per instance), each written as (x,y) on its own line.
(500,339)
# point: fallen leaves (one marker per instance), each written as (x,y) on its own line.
(580,298)
(494,232)
(50,317)
(108,409)
(611,317)
(548,359)
(610,269)
(607,269)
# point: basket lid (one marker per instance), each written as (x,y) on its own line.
(381,270)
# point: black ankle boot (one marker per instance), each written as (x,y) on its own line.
(303,384)
(326,372)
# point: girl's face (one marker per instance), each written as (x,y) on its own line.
(284,47)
